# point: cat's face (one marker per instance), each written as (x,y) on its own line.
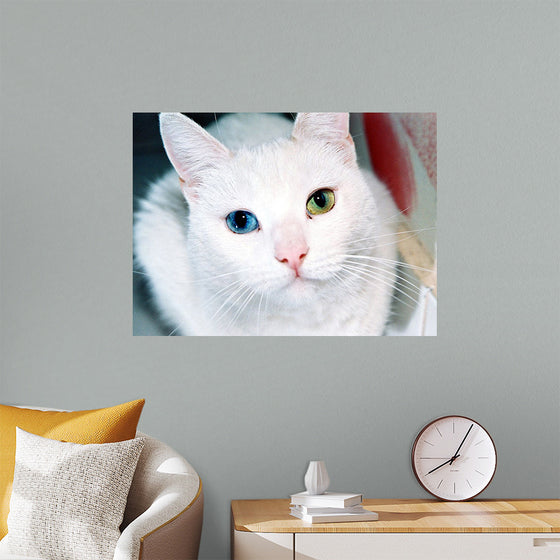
(273,222)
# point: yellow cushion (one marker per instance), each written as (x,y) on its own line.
(103,425)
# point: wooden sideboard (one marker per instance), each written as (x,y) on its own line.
(406,529)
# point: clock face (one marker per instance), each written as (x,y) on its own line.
(454,458)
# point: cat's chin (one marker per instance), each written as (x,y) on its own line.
(299,290)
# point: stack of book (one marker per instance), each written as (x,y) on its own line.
(330,507)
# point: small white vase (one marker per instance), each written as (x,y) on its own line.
(316,478)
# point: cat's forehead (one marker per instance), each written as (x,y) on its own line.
(284,167)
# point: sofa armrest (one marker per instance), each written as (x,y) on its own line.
(157,533)
(163,517)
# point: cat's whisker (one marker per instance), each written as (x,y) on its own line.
(210,278)
(390,261)
(400,214)
(379,264)
(224,289)
(409,233)
(375,246)
(259,314)
(379,278)
(342,280)
(242,307)
(403,264)
(392,234)
(174,330)
(397,298)
(266,302)
(395,241)
(337,277)
(245,297)
(411,285)
(236,291)
(407,274)
(400,232)
(368,238)
(234,304)
(218,126)
(394,295)
(365,275)
(397,263)
(138,272)
(335,280)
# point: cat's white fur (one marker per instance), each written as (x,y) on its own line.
(207,280)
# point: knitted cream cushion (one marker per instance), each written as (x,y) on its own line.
(102,425)
(68,499)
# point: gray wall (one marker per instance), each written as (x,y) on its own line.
(250,413)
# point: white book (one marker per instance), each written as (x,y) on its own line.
(328,499)
(312,510)
(364,515)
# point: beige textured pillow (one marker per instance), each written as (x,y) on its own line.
(68,499)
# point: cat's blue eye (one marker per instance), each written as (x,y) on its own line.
(242,221)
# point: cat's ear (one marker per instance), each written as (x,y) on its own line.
(191,149)
(330,128)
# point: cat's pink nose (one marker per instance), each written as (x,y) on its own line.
(292,256)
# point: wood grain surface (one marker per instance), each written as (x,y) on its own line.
(409,516)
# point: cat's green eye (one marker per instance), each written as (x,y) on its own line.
(320,202)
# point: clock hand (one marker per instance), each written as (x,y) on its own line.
(460,445)
(455,456)
(446,462)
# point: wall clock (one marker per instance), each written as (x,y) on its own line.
(454,458)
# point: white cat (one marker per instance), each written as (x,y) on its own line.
(273,231)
